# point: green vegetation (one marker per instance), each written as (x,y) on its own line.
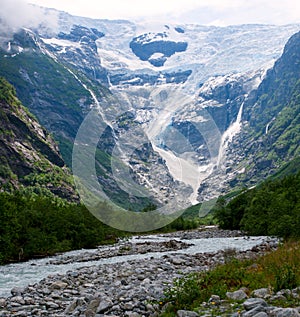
(180,223)
(66,148)
(32,69)
(276,270)
(192,212)
(55,177)
(289,168)
(9,96)
(272,208)
(7,92)
(35,225)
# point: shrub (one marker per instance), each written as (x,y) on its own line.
(276,270)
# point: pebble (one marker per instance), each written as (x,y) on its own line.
(2,302)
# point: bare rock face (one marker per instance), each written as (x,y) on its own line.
(156,47)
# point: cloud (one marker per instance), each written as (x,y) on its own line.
(229,12)
(222,12)
(115,9)
(17,14)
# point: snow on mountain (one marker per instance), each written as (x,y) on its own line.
(209,51)
(61,43)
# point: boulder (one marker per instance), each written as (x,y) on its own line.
(237,295)
(251,303)
(186,313)
(261,293)
(284,312)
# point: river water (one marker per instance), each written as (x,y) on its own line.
(25,273)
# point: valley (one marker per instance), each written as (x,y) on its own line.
(148,168)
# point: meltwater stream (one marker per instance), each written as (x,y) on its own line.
(25,273)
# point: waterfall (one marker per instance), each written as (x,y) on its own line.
(228,135)
(268,125)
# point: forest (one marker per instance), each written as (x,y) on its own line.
(34,225)
(271,208)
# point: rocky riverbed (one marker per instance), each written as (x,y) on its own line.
(124,248)
(132,288)
(138,246)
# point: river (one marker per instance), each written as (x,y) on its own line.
(30,272)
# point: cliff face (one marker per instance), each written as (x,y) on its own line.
(28,154)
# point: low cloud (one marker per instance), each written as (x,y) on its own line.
(229,12)
(17,14)
(220,12)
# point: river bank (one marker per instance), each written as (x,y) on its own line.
(125,285)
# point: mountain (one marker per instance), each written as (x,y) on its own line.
(182,108)
(29,157)
(60,97)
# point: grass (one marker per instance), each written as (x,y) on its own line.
(277,270)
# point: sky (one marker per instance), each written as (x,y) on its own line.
(15,14)
(208,12)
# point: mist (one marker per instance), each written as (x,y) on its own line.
(17,14)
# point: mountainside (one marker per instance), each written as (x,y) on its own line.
(272,136)
(28,154)
(268,130)
(188,111)
(60,96)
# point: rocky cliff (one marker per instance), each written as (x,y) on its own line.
(268,133)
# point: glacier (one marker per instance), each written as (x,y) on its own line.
(187,99)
